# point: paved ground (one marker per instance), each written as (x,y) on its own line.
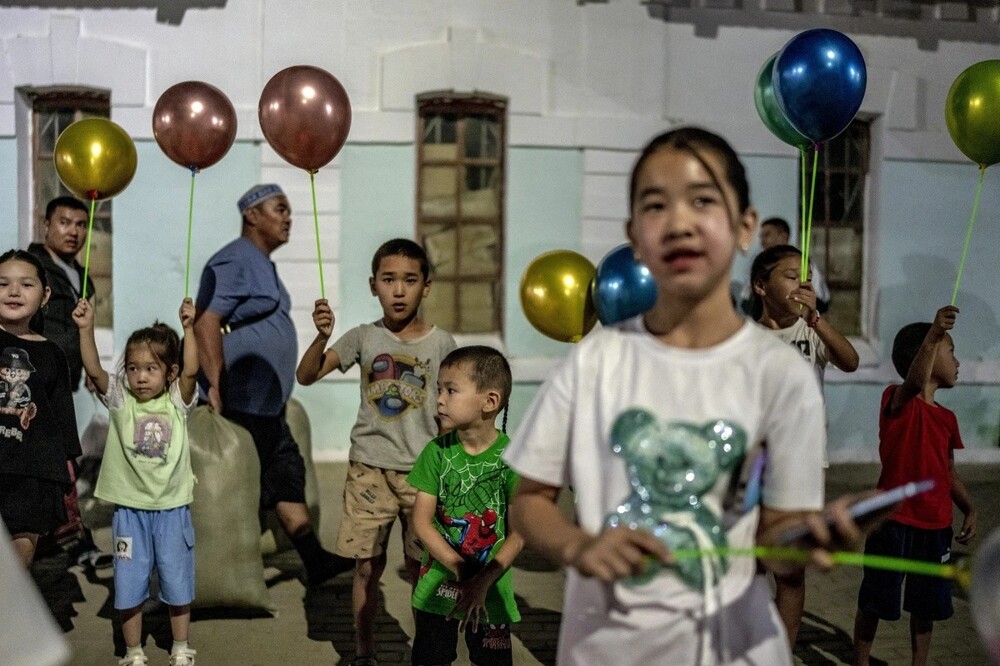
(315,627)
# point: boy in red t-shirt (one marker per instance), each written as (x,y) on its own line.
(917,439)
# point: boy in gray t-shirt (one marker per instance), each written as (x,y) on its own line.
(399,357)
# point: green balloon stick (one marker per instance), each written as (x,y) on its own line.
(968,233)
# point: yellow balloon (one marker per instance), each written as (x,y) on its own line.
(95,158)
(556,295)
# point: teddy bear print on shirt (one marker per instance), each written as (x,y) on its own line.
(670,467)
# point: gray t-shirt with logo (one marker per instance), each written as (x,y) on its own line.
(398,392)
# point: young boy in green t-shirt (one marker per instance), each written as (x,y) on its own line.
(463,490)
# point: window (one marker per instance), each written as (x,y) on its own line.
(460,216)
(52,111)
(838,229)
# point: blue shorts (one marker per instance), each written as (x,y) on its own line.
(927,597)
(141,540)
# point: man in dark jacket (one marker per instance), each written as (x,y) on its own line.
(65,235)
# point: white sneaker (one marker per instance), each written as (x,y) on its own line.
(135,660)
(183,657)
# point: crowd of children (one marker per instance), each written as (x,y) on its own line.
(684,429)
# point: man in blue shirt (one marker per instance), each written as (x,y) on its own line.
(247,351)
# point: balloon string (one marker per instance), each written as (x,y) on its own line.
(187,262)
(319,255)
(807,241)
(802,208)
(968,233)
(949,571)
(86,256)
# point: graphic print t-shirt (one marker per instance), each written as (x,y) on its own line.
(37,420)
(473,493)
(147,460)
(398,392)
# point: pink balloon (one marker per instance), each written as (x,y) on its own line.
(305,115)
(194,124)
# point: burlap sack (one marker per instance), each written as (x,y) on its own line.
(272,537)
(228,567)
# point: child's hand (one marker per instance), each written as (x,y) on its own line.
(471,604)
(945,317)
(832,529)
(83,314)
(186,314)
(806,298)
(616,553)
(323,318)
(968,531)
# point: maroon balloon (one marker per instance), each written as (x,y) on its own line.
(194,123)
(305,115)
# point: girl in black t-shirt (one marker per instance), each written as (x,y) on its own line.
(37,422)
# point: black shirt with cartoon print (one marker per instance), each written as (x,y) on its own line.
(37,420)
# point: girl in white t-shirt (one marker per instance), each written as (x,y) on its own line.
(659,423)
(786,305)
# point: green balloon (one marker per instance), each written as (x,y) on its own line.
(972,112)
(770,113)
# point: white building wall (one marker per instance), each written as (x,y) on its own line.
(601,78)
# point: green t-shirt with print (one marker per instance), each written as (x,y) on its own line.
(473,493)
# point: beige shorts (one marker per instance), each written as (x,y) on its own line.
(373,499)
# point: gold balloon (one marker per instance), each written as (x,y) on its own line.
(95,158)
(556,295)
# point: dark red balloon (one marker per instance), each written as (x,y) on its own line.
(194,123)
(305,115)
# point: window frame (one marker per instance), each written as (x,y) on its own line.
(462,105)
(826,173)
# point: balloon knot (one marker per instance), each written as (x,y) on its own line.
(93,194)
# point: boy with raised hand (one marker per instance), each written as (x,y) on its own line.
(399,355)
(917,439)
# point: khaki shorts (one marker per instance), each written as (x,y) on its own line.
(373,499)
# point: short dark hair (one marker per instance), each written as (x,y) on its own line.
(779,222)
(65,202)
(402,247)
(906,345)
(489,370)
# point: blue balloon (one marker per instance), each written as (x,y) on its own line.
(819,81)
(623,287)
